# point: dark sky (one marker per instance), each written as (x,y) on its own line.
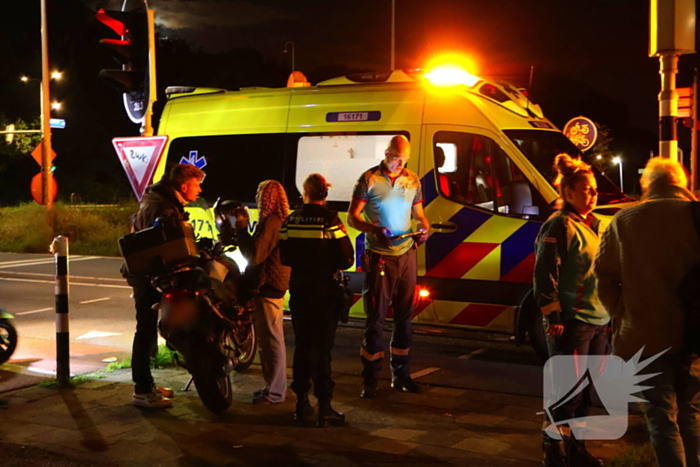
(589,57)
(597,44)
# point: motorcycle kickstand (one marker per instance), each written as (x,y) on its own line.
(189,383)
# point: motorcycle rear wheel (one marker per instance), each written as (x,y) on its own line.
(248,349)
(211,378)
(8,340)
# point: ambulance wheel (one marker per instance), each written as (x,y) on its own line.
(537,336)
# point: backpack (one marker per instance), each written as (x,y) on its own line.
(690,296)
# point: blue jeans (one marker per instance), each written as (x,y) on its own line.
(673,410)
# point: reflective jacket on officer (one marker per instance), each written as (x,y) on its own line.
(314,242)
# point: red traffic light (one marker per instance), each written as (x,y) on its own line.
(112,20)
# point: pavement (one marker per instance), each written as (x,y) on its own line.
(94,424)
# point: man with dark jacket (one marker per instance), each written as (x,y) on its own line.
(164,199)
(313,241)
(643,259)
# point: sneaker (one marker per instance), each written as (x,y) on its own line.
(165,392)
(151,400)
(405,385)
(261,392)
(265,399)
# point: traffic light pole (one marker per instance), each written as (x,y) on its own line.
(147,127)
(46,177)
(668,107)
(694,135)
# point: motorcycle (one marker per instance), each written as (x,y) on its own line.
(8,336)
(207,315)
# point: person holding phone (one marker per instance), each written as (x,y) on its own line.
(385,201)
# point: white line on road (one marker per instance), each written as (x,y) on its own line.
(109,286)
(472,354)
(34,311)
(424,372)
(95,300)
(38,262)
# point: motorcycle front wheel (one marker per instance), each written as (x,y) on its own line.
(213,383)
(8,340)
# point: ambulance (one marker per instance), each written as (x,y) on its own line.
(482,149)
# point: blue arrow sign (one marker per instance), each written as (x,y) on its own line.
(194,159)
(57,123)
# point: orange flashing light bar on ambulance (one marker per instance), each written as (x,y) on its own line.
(450,75)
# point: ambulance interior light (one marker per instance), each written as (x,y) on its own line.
(446,75)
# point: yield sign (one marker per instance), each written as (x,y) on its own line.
(139,157)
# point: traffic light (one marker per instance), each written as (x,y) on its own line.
(135,52)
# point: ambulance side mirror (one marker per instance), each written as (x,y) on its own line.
(521,200)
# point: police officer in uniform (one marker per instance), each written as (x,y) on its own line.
(313,241)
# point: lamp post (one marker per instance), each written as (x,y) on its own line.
(393,33)
(618,160)
(47,177)
(286,50)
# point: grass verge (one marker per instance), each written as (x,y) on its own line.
(641,456)
(74,381)
(92,230)
(165,358)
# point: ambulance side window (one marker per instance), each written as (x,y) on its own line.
(473,169)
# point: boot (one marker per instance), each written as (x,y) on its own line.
(579,455)
(554,451)
(303,409)
(328,416)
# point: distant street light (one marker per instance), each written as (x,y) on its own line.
(56,106)
(599,157)
(56,75)
(618,160)
(287,50)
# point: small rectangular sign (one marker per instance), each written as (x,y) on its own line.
(364,116)
(684,92)
(58,123)
(541,125)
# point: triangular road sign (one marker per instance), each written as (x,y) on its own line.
(139,157)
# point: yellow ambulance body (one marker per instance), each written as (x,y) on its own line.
(483,151)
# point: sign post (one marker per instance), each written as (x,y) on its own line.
(140,157)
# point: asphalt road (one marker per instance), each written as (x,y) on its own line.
(102,323)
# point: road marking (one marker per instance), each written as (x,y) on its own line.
(472,354)
(34,311)
(109,286)
(95,334)
(95,300)
(72,277)
(38,262)
(424,372)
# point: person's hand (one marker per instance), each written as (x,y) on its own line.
(555,330)
(382,234)
(420,239)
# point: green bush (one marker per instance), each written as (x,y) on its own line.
(92,229)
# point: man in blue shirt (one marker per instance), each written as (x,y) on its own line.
(385,200)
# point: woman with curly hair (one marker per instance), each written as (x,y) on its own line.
(269,280)
(565,289)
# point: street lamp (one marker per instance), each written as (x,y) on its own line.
(287,50)
(618,160)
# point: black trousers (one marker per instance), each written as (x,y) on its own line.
(579,339)
(389,280)
(315,320)
(145,337)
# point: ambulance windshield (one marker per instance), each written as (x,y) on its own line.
(541,147)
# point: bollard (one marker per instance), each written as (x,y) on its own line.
(59,248)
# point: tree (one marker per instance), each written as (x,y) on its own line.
(600,154)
